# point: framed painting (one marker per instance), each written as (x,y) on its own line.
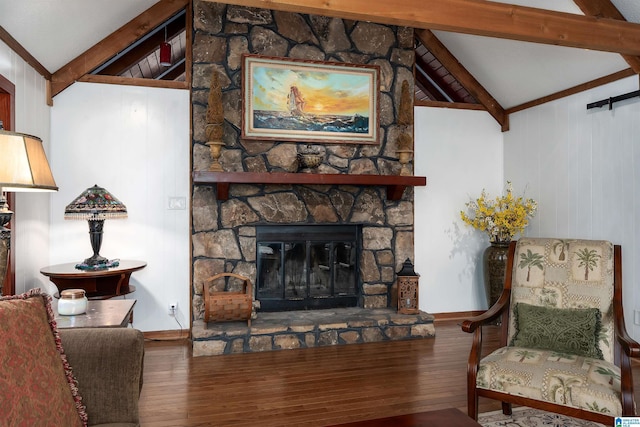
(309,101)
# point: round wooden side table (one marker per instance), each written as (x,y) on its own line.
(98,284)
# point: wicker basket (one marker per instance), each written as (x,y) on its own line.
(227,306)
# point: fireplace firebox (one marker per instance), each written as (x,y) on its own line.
(302,267)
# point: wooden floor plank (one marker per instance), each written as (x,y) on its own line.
(309,387)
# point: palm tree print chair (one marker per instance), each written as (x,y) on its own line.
(564,348)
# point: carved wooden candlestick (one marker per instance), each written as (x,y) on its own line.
(405,121)
(404,157)
(215,123)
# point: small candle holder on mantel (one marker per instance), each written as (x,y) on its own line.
(404,157)
(404,153)
(215,148)
(214,135)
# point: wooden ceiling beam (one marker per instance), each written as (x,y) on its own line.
(478,17)
(454,105)
(606,9)
(114,43)
(464,77)
(573,90)
(175,72)
(133,81)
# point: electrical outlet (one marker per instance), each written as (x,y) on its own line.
(173,307)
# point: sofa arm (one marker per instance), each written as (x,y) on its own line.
(108,364)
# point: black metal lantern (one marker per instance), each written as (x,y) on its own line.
(408,289)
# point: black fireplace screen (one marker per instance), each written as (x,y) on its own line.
(307,266)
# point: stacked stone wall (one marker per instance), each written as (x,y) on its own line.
(224,231)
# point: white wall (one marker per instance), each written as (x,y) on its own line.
(135,142)
(31,217)
(460,153)
(583,166)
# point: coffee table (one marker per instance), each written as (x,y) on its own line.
(450,417)
(109,313)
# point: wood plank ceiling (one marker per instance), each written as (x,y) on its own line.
(434,82)
(142,58)
(453,72)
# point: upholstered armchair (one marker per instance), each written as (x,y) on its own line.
(564,346)
(68,378)
(108,364)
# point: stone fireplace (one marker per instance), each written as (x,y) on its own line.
(229,226)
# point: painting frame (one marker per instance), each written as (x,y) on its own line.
(307,101)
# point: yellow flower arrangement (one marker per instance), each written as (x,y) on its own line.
(501,218)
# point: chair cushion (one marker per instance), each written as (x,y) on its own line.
(564,330)
(36,382)
(566,274)
(565,379)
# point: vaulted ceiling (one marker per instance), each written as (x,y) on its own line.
(501,56)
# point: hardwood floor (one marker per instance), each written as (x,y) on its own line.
(309,387)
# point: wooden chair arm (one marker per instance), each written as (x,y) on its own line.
(629,345)
(470,325)
(626,348)
(501,307)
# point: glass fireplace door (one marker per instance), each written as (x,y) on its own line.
(307,270)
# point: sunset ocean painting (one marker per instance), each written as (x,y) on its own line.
(299,100)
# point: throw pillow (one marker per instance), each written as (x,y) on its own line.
(564,330)
(36,382)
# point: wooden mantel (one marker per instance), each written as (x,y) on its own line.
(395,184)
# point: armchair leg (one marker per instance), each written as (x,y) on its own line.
(472,403)
(506,408)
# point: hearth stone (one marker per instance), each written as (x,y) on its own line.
(313,328)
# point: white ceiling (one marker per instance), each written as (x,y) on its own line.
(516,72)
(57,31)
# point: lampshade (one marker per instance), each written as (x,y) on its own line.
(95,203)
(23,167)
(23,164)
